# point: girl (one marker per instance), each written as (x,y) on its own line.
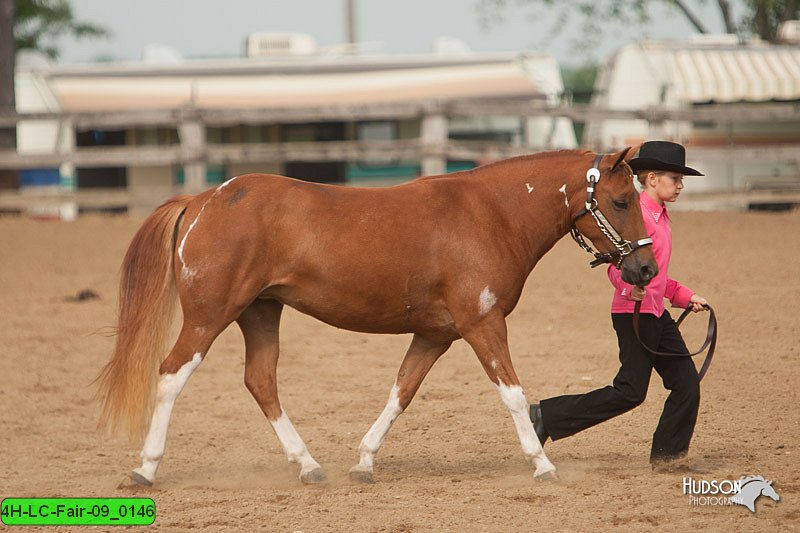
(660,167)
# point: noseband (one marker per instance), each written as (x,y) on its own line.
(624,247)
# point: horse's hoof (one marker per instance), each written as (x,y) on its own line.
(139,479)
(550,476)
(313,476)
(361,476)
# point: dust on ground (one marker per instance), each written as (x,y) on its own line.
(453,460)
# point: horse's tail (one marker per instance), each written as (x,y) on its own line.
(146,308)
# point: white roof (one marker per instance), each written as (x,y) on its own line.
(313,81)
(651,73)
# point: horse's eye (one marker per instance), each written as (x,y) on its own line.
(621,204)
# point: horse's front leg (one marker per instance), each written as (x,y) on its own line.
(419,359)
(488,338)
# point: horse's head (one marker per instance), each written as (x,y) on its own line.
(615,209)
(769,491)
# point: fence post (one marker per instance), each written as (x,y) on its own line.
(65,147)
(192,134)
(434,133)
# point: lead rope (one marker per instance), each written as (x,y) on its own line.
(710,342)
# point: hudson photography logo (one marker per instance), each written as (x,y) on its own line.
(744,491)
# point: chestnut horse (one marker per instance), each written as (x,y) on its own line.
(442,257)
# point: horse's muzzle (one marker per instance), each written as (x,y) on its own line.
(638,272)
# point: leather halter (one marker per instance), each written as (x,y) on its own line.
(624,247)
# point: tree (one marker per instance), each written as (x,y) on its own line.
(578,85)
(761,18)
(39,22)
(765,16)
(31,24)
(8,136)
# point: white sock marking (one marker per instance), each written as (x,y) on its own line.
(514,399)
(293,444)
(169,387)
(486,300)
(373,440)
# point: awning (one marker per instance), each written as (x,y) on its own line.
(736,74)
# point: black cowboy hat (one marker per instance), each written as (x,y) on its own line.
(662,155)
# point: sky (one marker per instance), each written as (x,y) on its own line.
(213,28)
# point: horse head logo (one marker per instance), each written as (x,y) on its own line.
(751,488)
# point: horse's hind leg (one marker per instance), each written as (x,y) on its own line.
(175,370)
(419,359)
(488,339)
(259,324)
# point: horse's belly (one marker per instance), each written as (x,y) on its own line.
(373,313)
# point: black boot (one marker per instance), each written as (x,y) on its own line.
(538,423)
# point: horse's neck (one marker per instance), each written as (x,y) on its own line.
(535,196)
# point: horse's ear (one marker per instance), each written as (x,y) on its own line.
(625,155)
(632,151)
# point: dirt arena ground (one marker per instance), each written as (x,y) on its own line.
(452,461)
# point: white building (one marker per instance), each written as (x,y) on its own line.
(712,70)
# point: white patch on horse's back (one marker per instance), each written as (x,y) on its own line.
(222,186)
(530,187)
(563,190)
(486,300)
(187,272)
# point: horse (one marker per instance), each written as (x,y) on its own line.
(441,257)
(752,487)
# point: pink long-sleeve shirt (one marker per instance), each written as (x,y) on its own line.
(657,223)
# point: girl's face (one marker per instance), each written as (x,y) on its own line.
(664,186)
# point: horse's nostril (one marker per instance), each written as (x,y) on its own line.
(647,272)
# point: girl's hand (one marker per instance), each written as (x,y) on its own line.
(637,294)
(697,303)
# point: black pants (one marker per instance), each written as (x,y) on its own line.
(566,415)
